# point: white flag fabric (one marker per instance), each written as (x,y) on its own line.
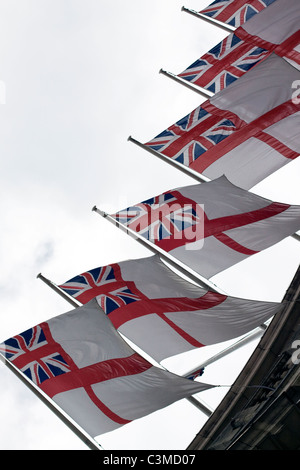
(235,12)
(81,362)
(160,312)
(250,110)
(211,226)
(257,150)
(274,30)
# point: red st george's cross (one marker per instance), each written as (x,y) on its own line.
(208,133)
(122,301)
(142,217)
(31,355)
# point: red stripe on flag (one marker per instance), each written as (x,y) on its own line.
(282,49)
(223,224)
(285,49)
(163,306)
(294,56)
(226,240)
(102,407)
(88,295)
(95,373)
(34,355)
(223,113)
(254,39)
(283,149)
(135,364)
(214,227)
(180,304)
(85,377)
(190,339)
(241,135)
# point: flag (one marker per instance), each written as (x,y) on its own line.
(81,362)
(224,225)
(235,12)
(163,314)
(259,106)
(275,30)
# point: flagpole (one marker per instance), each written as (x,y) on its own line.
(181,267)
(238,344)
(219,24)
(257,333)
(207,411)
(200,90)
(188,171)
(296,236)
(59,291)
(87,440)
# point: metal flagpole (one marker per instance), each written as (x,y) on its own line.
(228,28)
(181,267)
(207,411)
(257,333)
(90,442)
(188,171)
(71,300)
(200,90)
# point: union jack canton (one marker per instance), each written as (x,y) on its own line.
(224,63)
(191,136)
(32,353)
(164,217)
(80,287)
(235,12)
(116,299)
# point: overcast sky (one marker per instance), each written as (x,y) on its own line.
(80,77)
